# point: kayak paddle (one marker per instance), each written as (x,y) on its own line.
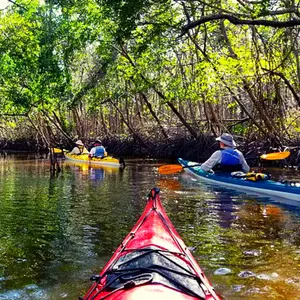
(173,168)
(275,155)
(170,169)
(58,150)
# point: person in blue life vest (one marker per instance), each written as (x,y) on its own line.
(228,158)
(79,148)
(98,150)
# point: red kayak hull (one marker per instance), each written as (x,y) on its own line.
(153,230)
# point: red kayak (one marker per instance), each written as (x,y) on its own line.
(152,263)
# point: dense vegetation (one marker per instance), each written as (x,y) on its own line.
(149,70)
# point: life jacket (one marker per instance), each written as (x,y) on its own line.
(82,150)
(100,151)
(230,161)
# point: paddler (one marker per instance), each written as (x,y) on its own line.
(228,158)
(79,148)
(98,150)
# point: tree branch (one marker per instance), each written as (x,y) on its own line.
(286,81)
(237,21)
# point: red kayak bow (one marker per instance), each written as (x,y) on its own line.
(152,263)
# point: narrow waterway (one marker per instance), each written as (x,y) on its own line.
(55,232)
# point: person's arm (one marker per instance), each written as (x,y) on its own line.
(243,162)
(105,153)
(212,161)
(92,152)
(75,151)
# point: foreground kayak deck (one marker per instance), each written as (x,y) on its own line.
(268,187)
(152,263)
(83,158)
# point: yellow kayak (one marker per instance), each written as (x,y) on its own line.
(84,158)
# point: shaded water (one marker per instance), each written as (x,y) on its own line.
(56,232)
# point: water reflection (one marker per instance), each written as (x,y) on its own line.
(222,200)
(94,173)
(226,209)
(169,184)
(259,251)
(97,174)
(56,232)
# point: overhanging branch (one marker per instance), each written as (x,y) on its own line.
(237,21)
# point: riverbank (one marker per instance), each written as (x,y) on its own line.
(180,146)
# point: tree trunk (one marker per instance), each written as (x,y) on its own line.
(154,115)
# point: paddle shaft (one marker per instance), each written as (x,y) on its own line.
(170,169)
(198,165)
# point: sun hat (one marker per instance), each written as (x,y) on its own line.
(79,142)
(97,141)
(227,140)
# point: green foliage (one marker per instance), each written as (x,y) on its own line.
(292,123)
(127,14)
(61,55)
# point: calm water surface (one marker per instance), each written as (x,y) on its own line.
(56,232)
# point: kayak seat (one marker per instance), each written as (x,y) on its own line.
(227,168)
(156,266)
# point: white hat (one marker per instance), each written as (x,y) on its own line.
(227,139)
(97,141)
(79,142)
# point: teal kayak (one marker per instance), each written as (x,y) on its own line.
(267,187)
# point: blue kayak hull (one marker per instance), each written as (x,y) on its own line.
(267,187)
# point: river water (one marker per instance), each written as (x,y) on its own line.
(56,231)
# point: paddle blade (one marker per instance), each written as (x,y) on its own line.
(56,150)
(169,169)
(276,155)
